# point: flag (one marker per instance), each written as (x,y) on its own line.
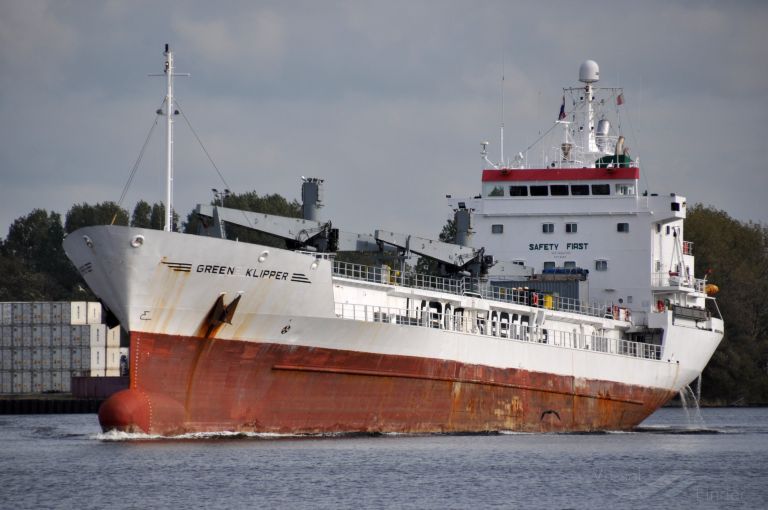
(562,111)
(620,99)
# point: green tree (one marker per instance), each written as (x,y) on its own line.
(105,213)
(447,235)
(141,215)
(32,260)
(735,255)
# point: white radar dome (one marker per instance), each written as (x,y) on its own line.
(589,72)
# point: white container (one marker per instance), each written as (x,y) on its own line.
(26,382)
(16,384)
(56,358)
(26,336)
(6,336)
(99,335)
(18,337)
(26,359)
(113,337)
(45,335)
(76,361)
(17,357)
(98,360)
(37,336)
(66,313)
(113,372)
(56,380)
(113,358)
(66,336)
(47,380)
(78,312)
(6,382)
(6,359)
(94,312)
(46,363)
(37,382)
(6,314)
(17,315)
(85,353)
(37,312)
(56,312)
(26,313)
(56,335)
(66,358)
(37,358)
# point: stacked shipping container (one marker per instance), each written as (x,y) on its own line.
(44,344)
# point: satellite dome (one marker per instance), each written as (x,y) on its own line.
(589,72)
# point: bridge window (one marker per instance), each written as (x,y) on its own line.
(497,191)
(601,189)
(558,190)
(601,265)
(548,228)
(579,189)
(539,191)
(622,227)
(497,229)
(549,265)
(518,191)
(625,189)
(571,228)
(569,264)
(518,262)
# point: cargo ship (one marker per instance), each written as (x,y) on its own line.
(566,302)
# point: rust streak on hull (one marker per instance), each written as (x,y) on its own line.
(332,370)
(188,384)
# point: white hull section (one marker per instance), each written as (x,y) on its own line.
(167,283)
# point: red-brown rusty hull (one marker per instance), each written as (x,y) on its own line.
(182,384)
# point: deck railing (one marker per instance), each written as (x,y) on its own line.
(477,288)
(482,327)
(675,280)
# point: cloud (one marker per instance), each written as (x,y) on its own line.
(252,40)
(34,42)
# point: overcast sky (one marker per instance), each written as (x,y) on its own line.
(387,101)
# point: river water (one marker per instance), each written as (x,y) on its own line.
(718,460)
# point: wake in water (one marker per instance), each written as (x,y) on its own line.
(117,436)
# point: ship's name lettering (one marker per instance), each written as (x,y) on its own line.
(202,268)
(250,272)
(266,273)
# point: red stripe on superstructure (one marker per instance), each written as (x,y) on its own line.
(561,174)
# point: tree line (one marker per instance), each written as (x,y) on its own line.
(33,267)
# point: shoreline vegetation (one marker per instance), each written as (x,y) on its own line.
(732,254)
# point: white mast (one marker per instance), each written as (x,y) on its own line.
(170,111)
(168,140)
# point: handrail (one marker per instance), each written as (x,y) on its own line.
(477,288)
(675,280)
(482,327)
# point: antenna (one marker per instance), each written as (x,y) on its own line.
(169,113)
(501,144)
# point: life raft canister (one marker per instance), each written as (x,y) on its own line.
(535,299)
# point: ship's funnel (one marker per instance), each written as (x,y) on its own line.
(311,197)
(463,221)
